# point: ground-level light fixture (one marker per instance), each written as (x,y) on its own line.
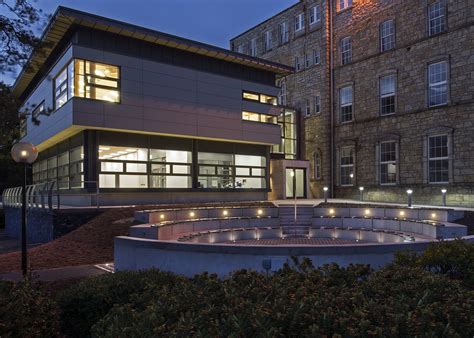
(443,196)
(325,189)
(410,197)
(26,153)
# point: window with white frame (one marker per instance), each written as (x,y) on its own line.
(297,63)
(282,93)
(307,61)
(283,32)
(316,57)
(343,4)
(315,14)
(307,109)
(253,47)
(388,162)
(438,159)
(317,165)
(60,89)
(346,98)
(267,40)
(346,50)
(387,35)
(437,18)
(299,22)
(317,104)
(438,83)
(347,166)
(387,94)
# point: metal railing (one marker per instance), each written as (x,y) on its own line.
(46,195)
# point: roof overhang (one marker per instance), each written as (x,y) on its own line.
(64,18)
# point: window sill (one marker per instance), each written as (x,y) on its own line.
(340,11)
(438,105)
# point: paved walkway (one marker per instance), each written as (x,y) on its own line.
(68,272)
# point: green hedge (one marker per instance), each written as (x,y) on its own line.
(418,295)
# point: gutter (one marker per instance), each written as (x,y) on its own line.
(331,96)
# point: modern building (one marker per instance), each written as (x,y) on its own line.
(386,89)
(142,116)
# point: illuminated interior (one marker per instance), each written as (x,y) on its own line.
(256,117)
(262,98)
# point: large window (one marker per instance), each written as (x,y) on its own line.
(315,14)
(438,159)
(297,63)
(267,41)
(316,57)
(299,22)
(287,122)
(262,98)
(130,167)
(317,104)
(343,4)
(387,35)
(253,47)
(387,95)
(346,98)
(282,93)
(317,165)
(347,166)
(307,60)
(436,18)
(388,162)
(346,50)
(90,80)
(438,84)
(283,32)
(224,171)
(307,108)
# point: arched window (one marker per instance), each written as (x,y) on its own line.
(317,165)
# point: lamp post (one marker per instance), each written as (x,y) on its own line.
(292,174)
(361,193)
(26,153)
(443,196)
(325,189)
(409,193)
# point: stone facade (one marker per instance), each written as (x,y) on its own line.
(413,121)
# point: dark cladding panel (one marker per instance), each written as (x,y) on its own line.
(115,43)
(251,149)
(171,143)
(122,139)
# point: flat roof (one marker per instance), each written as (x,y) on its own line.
(64,18)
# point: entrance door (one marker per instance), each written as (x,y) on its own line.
(295,183)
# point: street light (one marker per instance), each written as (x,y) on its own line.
(361,193)
(443,197)
(409,192)
(325,189)
(26,153)
(292,174)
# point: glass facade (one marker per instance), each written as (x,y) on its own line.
(224,171)
(288,123)
(66,168)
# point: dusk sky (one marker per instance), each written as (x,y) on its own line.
(209,21)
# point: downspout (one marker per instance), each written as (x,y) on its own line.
(331,96)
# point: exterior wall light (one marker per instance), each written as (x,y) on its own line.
(162,216)
(367,211)
(192,214)
(433,215)
(25,153)
(402,213)
(225,213)
(410,197)
(331,211)
(325,189)
(443,196)
(260,211)
(361,193)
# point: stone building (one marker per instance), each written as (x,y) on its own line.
(386,93)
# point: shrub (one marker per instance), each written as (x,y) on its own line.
(25,311)
(454,259)
(85,303)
